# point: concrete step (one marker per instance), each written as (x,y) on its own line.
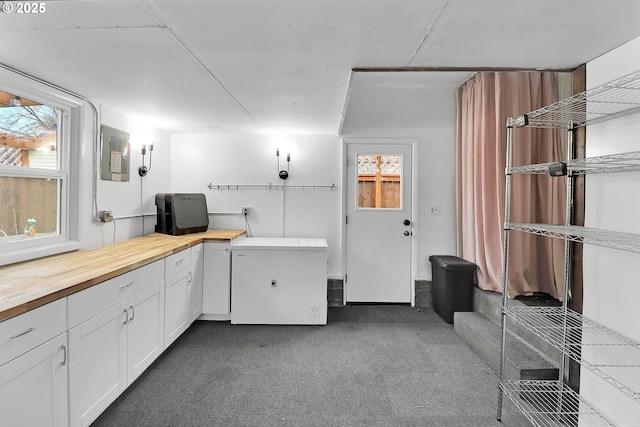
(489,304)
(484,337)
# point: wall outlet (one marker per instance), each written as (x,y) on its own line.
(315,312)
(105,216)
(245,211)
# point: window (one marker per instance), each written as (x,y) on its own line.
(35,146)
(379,182)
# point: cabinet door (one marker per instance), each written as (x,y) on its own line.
(33,387)
(217,279)
(145,334)
(176,306)
(97,364)
(195,286)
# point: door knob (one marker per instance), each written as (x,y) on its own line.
(406,233)
(406,222)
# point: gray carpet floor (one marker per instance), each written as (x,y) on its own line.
(369,366)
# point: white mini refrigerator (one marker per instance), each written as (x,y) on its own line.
(279,281)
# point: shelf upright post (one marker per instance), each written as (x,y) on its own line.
(505,258)
(567,268)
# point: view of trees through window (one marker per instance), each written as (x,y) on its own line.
(29,168)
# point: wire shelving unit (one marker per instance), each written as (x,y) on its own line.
(623,162)
(546,403)
(611,100)
(609,239)
(610,355)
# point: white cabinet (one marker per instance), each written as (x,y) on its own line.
(177,305)
(216,290)
(145,333)
(114,331)
(33,387)
(109,350)
(97,364)
(33,384)
(279,281)
(195,287)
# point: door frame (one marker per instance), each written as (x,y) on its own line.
(414,210)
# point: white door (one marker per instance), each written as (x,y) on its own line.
(379,223)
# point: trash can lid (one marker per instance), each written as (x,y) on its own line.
(450,261)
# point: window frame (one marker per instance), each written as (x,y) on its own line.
(66,172)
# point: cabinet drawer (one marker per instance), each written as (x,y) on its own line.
(27,331)
(94,300)
(176,262)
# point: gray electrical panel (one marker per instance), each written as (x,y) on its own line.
(115,154)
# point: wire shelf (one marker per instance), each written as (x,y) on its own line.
(609,239)
(607,353)
(617,98)
(611,163)
(550,403)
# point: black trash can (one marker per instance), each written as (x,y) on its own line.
(452,285)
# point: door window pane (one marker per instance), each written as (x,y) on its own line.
(379,181)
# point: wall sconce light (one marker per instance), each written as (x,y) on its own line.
(283,174)
(16,101)
(142,170)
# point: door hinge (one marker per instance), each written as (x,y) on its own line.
(346,219)
(345,278)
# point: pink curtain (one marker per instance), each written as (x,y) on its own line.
(484,103)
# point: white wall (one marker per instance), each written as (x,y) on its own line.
(611,291)
(200,159)
(127,200)
(249,159)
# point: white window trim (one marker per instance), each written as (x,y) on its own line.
(70,106)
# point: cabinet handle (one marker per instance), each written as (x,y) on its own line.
(273,283)
(64,360)
(126,316)
(190,277)
(133,313)
(31,329)
(126,286)
(179,262)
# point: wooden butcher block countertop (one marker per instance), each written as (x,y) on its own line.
(30,284)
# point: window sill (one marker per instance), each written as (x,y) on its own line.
(28,254)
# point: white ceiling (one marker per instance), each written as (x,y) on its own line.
(286,65)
